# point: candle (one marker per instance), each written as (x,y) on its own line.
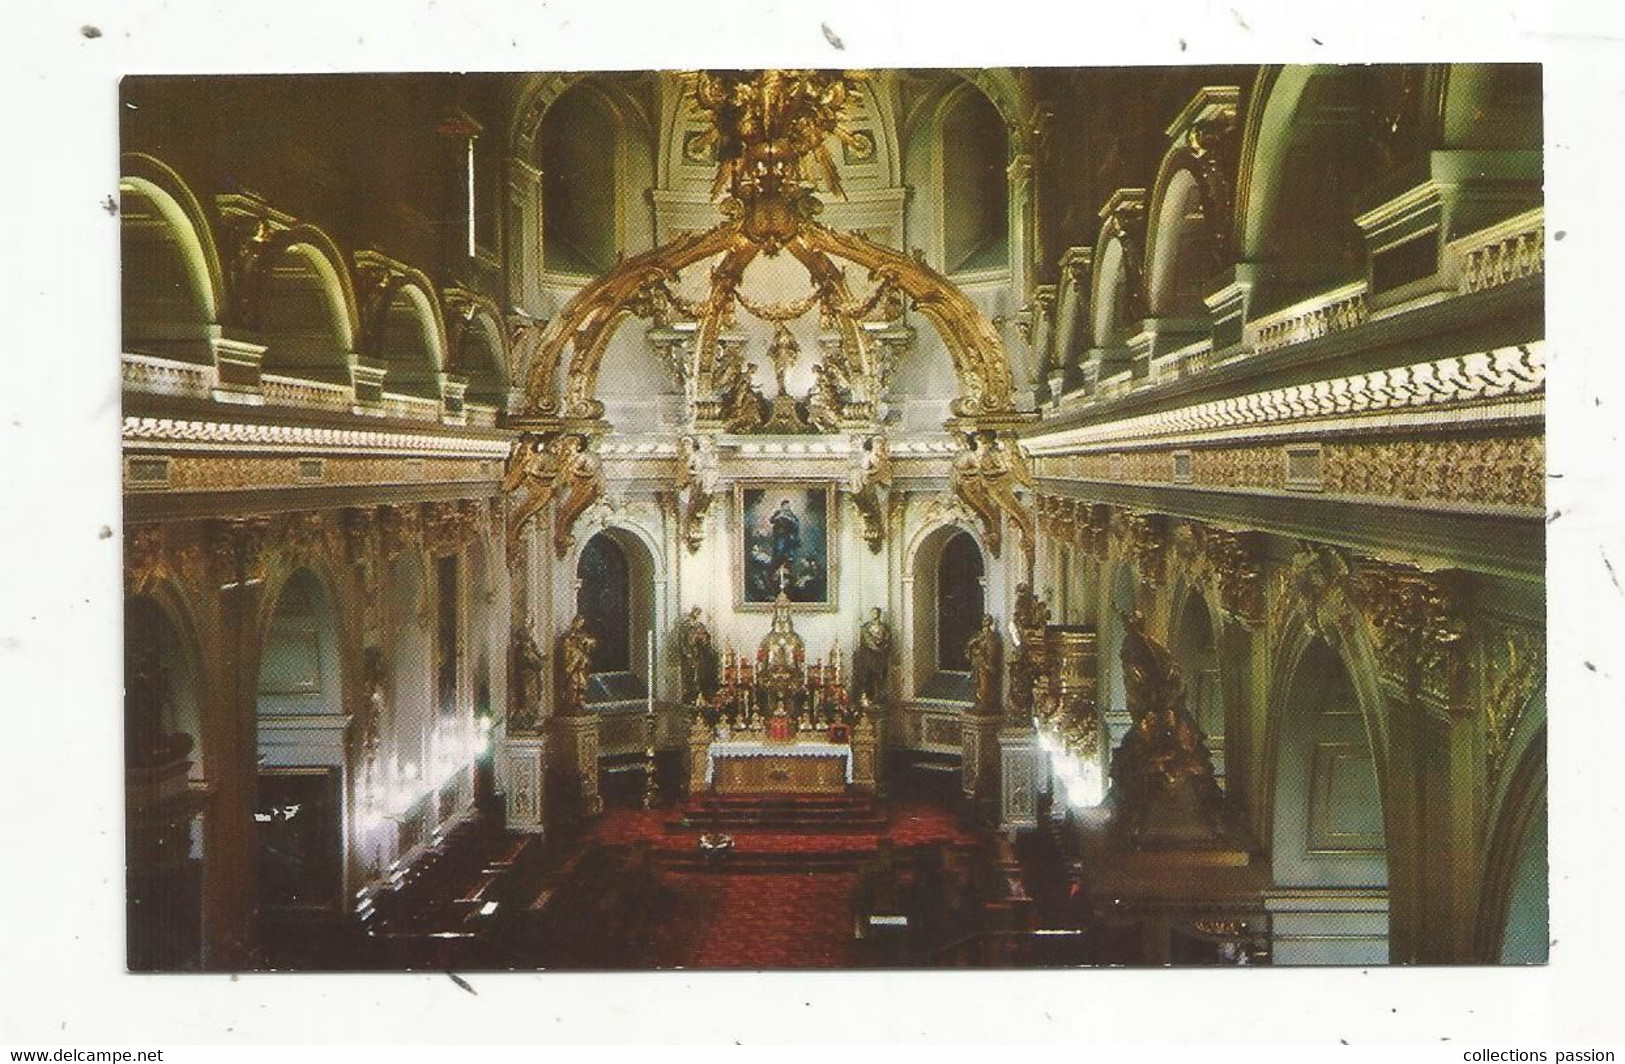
(650,677)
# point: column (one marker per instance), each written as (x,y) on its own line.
(1018,778)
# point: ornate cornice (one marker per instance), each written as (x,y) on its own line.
(174,434)
(1501,375)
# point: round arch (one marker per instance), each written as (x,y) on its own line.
(481,354)
(1308,154)
(617,585)
(305,307)
(172,290)
(409,336)
(1513,909)
(300,816)
(1181,244)
(1112,287)
(1195,638)
(932,551)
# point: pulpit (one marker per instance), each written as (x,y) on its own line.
(780,726)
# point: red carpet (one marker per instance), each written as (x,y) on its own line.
(729,918)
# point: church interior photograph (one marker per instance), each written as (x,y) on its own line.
(792,518)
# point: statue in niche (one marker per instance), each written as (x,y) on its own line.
(1163,788)
(784,353)
(697,657)
(576,645)
(985,650)
(871,663)
(525,701)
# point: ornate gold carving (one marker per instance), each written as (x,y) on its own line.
(581,483)
(1418,623)
(1514,666)
(768,128)
(236,549)
(1495,471)
(400,529)
(146,557)
(1226,565)
(986,477)
(1162,772)
(868,484)
(1142,539)
(1027,664)
(1315,581)
(451,526)
(360,534)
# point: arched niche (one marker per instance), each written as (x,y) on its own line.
(975,184)
(1194,642)
(577,154)
(300,723)
(1492,106)
(170,296)
(166,839)
(1180,260)
(950,599)
(481,356)
(615,593)
(1318,141)
(410,342)
(1526,935)
(1112,299)
(304,314)
(162,693)
(1327,814)
(1515,917)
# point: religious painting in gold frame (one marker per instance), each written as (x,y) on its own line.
(786,541)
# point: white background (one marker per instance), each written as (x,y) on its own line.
(61,880)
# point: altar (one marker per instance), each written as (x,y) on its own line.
(777,725)
(752,766)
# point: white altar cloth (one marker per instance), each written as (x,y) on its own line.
(741,748)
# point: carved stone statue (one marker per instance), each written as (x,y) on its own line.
(742,401)
(575,665)
(824,401)
(696,485)
(581,479)
(525,700)
(697,657)
(1163,788)
(1027,623)
(871,663)
(985,650)
(871,476)
(528,482)
(972,490)
(784,353)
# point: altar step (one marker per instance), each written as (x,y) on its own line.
(792,814)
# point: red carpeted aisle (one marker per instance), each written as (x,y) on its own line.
(758,920)
(758,909)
